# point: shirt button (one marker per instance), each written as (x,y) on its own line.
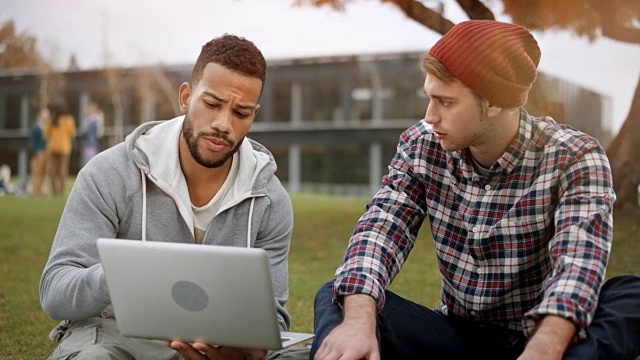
(473,313)
(487,187)
(480,270)
(475,229)
(104,313)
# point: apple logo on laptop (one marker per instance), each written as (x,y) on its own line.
(189,296)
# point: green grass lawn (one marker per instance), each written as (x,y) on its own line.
(322,227)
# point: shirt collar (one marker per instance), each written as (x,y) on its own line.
(514,154)
(509,160)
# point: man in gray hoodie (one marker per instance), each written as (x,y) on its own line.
(193,179)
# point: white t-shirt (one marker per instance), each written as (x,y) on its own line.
(202,216)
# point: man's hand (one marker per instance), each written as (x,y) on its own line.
(201,351)
(355,338)
(550,340)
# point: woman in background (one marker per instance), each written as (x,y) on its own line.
(59,133)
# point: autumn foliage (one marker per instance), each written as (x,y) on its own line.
(17,49)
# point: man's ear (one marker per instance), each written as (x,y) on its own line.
(490,109)
(183,97)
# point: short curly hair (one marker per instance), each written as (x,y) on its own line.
(234,53)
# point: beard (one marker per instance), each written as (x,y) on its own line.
(188,133)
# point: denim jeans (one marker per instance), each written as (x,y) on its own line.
(407,330)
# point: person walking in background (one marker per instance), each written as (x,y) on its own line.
(59,133)
(520,210)
(38,147)
(92,131)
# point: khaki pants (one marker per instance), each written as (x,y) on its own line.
(99,338)
(58,171)
(38,172)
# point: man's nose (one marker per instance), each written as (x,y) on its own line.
(222,122)
(431,116)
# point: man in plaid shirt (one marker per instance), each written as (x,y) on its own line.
(521,213)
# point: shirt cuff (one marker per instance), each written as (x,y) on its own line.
(561,307)
(358,284)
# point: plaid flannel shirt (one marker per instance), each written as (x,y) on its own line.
(531,239)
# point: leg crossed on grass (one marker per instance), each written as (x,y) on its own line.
(407,330)
(99,338)
(615,330)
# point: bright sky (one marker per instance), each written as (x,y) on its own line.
(172,32)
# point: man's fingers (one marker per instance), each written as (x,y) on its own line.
(257,353)
(198,351)
(202,347)
(212,352)
(324,351)
(186,351)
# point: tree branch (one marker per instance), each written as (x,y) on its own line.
(423,15)
(476,10)
(620,33)
(612,21)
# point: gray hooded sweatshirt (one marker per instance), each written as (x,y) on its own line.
(136,190)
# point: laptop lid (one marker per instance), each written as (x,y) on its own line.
(220,295)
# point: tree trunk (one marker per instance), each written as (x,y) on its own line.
(623,153)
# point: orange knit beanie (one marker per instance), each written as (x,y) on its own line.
(496,60)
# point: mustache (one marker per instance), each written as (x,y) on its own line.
(216,135)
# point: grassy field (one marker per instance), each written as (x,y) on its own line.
(322,227)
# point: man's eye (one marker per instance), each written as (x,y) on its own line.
(242,115)
(445,103)
(210,105)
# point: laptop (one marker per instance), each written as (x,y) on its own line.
(220,295)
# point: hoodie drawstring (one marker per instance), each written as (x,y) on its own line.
(253,200)
(144,206)
(144,211)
